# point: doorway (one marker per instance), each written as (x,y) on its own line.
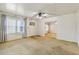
(50,29)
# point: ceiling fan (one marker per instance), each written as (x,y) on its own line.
(40,15)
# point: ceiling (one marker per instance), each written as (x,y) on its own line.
(27,9)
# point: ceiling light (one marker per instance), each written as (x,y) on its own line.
(38,17)
(45,15)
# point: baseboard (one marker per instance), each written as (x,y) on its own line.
(34,36)
(68,40)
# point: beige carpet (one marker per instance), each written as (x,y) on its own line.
(39,46)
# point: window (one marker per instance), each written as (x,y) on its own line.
(11,25)
(20,26)
(14,25)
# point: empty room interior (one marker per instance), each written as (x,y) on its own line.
(39,28)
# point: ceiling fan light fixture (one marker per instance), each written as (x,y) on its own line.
(45,15)
(38,17)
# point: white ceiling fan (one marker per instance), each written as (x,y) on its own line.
(40,15)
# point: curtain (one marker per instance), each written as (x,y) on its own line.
(2,28)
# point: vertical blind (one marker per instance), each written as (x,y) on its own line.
(20,26)
(14,25)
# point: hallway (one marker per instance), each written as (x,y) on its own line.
(38,46)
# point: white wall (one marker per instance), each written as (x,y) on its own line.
(40,27)
(31,30)
(66,27)
(53,28)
